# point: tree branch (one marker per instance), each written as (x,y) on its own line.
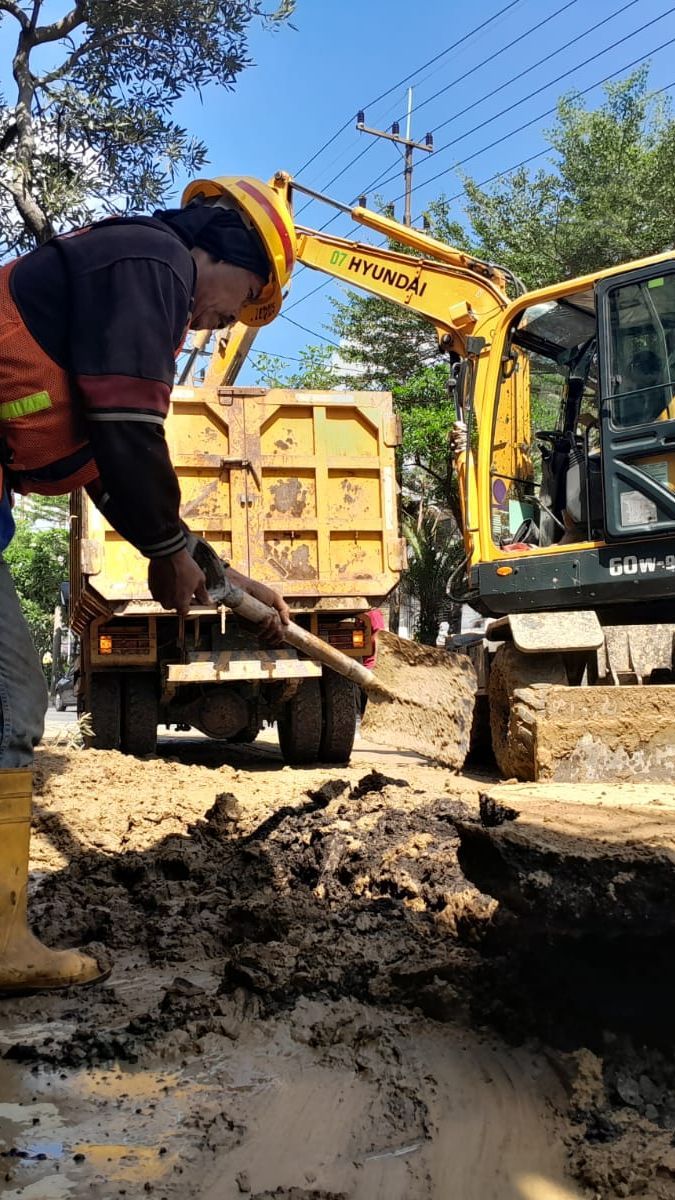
(11,7)
(94,43)
(434,474)
(59,29)
(31,214)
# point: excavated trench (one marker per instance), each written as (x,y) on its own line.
(312,997)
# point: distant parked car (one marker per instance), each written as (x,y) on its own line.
(64,692)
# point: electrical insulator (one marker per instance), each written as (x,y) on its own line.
(429,141)
(360,117)
(395,128)
(363,201)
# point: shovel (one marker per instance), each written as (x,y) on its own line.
(421,699)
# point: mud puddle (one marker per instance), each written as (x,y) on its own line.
(106,1132)
(336,1100)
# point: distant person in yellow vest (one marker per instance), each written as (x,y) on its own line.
(92,323)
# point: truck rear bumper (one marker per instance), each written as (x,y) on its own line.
(227,666)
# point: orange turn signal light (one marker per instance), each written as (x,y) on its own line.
(358,639)
(505,570)
(105,645)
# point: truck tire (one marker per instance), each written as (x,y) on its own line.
(103,701)
(300,725)
(512,719)
(340,697)
(140,714)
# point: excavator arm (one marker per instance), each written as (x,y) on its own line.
(461,296)
(452,298)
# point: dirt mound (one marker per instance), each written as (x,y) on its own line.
(321,919)
(351,889)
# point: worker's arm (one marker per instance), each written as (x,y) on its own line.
(129,316)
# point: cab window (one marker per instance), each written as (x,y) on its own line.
(545,464)
(642,352)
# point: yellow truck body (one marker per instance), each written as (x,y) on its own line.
(295,488)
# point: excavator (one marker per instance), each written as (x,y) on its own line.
(565,461)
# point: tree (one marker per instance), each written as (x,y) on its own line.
(432,557)
(38,560)
(88,130)
(316,370)
(610,197)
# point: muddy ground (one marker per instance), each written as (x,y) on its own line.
(310,1001)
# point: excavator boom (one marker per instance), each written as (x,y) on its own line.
(455,299)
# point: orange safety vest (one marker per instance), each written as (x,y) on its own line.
(43,440)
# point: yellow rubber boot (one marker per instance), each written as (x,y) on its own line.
(25,964)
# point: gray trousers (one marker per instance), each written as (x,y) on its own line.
(23,688)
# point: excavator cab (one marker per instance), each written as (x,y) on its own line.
(577,455)
(545,477)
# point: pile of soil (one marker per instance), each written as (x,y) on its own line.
(327,908)
(350,888)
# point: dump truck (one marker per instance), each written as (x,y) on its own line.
(566,467)
(295,488)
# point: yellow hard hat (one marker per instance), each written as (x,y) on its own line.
(270,217)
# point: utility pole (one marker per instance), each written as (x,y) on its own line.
(394,135)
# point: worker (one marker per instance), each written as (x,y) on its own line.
(644,396)
(376,620)
(92,322)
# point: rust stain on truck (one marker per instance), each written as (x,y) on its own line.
(290,497)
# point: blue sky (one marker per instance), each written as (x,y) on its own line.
(307,82)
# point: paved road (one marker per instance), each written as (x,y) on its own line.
(57,721)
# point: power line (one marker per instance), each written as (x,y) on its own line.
(591,29)
(274,354)
(566,46)
(490,58)
(523,162)
(458,195)
(311,332)
(548,112)
(368,146)
(453,46)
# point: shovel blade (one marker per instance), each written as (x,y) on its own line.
(427,700)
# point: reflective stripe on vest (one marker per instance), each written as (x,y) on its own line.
(43,433)
(24,406)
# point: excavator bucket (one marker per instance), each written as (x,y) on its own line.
(545,727)
(600,733)
(427,700)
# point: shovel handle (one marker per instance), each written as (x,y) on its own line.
(315,648)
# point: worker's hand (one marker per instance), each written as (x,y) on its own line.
(270,631)
(175,580)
